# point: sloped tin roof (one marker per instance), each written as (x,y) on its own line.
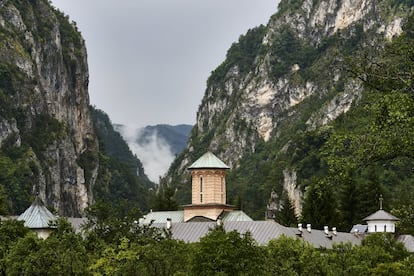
(178,217)
(208,161)
(236,215)
(161,217)
(381,215)
(261,231)
(359,228)
(37,216)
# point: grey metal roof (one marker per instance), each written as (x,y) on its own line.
(208,161)
(318,238)
(178,216)
(381,215)
(359,228)
(235,216)
(188,231)
(37,216)
(262,232)
(161,217)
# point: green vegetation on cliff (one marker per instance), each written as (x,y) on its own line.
(241,54)
(48,143)
(346,165)
(121,177)
(339,101)
(30,129)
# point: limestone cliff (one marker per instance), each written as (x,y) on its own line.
(284,78)
(45,124)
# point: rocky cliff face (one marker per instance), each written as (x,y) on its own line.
(263,99)
(286,77)
(45,106)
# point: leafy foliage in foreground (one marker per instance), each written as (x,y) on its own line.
(134,249)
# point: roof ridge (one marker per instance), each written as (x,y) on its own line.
(208,161)
(381,215)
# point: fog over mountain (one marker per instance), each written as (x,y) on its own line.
(156,146)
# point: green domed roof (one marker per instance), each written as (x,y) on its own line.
(208,161)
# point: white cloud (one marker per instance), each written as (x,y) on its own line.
(155,154)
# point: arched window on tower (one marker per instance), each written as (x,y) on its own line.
(201,189)
(222,190)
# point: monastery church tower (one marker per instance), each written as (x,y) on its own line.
(208,196)
(208,178)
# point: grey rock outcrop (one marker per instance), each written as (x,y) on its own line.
(248,106)
(49,59)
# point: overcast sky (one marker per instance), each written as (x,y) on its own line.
(149,60)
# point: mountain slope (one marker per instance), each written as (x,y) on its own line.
(44,108)
(121,176)
(280,82)
(175,136)
(48,143)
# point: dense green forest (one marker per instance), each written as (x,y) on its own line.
(120,180)
(331,160)
(346,165)
(342,167)
(120,247)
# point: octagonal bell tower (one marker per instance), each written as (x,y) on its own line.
(208,180)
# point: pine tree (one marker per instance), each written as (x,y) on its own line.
(286,215)
(320,206)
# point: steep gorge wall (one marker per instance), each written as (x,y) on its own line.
(295,79)
(45,106)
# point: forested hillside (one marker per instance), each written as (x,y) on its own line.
(45,125)
(315,106)
(121,178)
(48,142)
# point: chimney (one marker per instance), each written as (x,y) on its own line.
(169,225)
(308,227)
(300,230)
(326,230)
(334,231)
(219,222)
